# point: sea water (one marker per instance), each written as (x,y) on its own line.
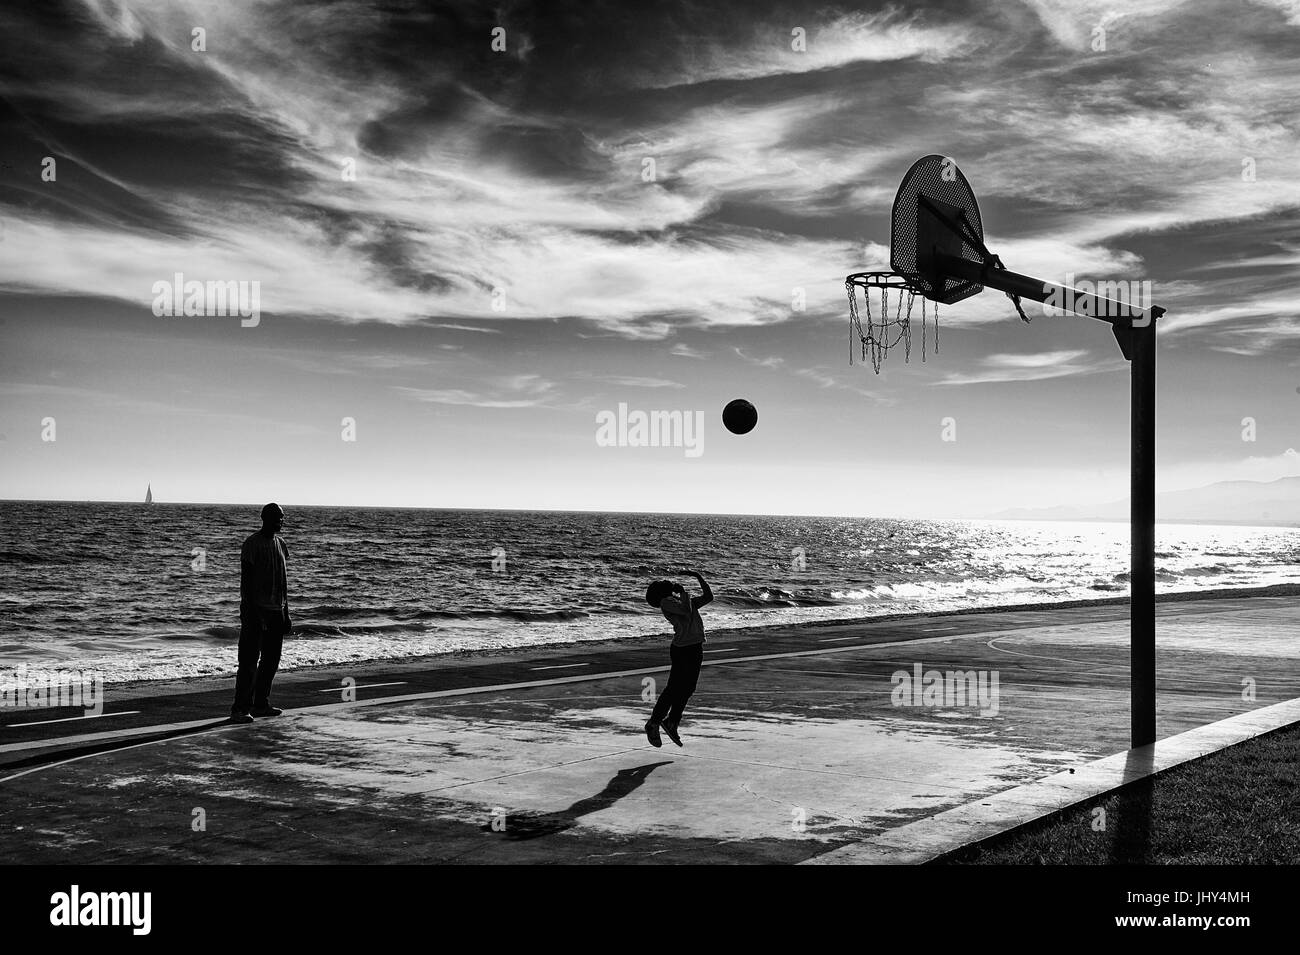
(140,592)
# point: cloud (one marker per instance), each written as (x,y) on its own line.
(772,361)
(1032,367)
(632,381)
(71,396)
(769,48)
(1290,9)
(819,376)
(516,391)
(825,380)
(486,193)
(466,328)
(1072,22)
(1196,318)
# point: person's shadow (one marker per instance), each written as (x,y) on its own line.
(519,826)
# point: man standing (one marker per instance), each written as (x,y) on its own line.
(263,617)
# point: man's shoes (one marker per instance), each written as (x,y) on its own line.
(237,717)
(267,710)
(670,728)
(652,733)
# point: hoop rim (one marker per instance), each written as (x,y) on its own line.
(887,279)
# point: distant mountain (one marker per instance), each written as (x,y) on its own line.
(1228,502)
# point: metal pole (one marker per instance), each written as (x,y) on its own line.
(1142,527)
(1135,331)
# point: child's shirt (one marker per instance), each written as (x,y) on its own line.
(688,628)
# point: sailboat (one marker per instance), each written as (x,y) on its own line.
(148,495)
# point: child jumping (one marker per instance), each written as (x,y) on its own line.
(686,652)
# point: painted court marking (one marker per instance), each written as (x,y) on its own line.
(360,686)
(561,666)
(1040,656)
(726,650)
(430,695)
(69,719)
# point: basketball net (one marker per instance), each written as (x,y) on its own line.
(882,330)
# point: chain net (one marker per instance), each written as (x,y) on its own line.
(883,330)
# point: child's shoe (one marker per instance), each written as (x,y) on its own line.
(670,728)
(652,733)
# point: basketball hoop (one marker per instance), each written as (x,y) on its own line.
(884,331)
(937,251)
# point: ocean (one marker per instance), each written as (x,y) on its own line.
(152,592)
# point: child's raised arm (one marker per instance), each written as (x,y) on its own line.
(705,597)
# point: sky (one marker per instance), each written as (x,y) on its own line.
(477,230)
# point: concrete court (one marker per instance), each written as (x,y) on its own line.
(793,749)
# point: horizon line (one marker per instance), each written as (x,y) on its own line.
(533,510)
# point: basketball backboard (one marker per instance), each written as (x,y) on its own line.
(935,212)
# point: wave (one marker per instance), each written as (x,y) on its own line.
(1211,571)
(225,633)
(331,630)
(762,597)
(516,614)
(60,558)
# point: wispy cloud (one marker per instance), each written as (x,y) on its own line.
(801,44)
(635,381)
(471,201)
(519,391)
(1032,367)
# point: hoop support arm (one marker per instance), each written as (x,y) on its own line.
(1120,315)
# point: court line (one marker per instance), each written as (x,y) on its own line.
(1040,656)
(360,686)
(561,666)
(69,719)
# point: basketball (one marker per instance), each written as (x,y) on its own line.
(739,416)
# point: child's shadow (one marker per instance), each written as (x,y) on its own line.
(520,826)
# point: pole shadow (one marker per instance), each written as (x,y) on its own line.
(1132,840)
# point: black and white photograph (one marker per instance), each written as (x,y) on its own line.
(701,433)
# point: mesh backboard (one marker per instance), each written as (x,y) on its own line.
(916,232)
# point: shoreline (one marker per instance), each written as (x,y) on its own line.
(173,685)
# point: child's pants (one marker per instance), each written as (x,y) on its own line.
(681,682)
